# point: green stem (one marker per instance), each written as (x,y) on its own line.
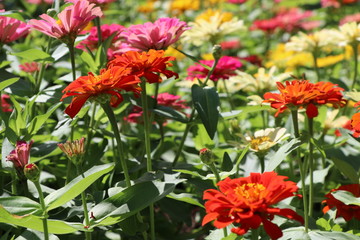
(72,59)
(262,162)
(294,114)
(239,158)
(228,95)
(68,171)
(98,28)
(110,114)
(42,69)
(255,233)
(86,213)
(355,50)
(311,165)
(316,66)
(43,208)
(148,149)
(14,189)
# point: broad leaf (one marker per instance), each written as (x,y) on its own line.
(19,205)
(76,186)
(39,120)
(35,55)
(346,197)
(346,169)
(170,113)
(322,235)
(185,197)
(8,82)
(206,102)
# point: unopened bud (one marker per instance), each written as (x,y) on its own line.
(217,52)
(206,156)
(51,12)
(32,172)
(74,150)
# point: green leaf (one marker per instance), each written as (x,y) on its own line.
(281,154)
(346,169)
(39,120)
(76,186)
(130,201)
(89,61)
(185,197)
(206,102)
(170,113)
(227,164)
(295,233)
(346,197)
(19,205)
(35,222)
(194,59)
(323,224)
(8,82)
(322,235)
(35,55)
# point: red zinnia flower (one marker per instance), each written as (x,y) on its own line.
(342,210)
(5,105)
(303,94)
(110,81)
(247,202)
(146,64)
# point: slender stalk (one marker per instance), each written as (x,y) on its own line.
(311,165)
(316,66)
(255,233)
(355,50)
(72,59)
(42,68)
(148,149)
(110,114)
(43,208)
(228,95)
(14,189)
(262,162)
(301,167)
(239,158)
(98,28)
(86,212)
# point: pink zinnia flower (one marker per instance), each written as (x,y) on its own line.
(266,25)
(11,29)
(350,18)
(40,1)
(97,2)
(72,20)
(163,99)
(224,69)
(336,3)
(232,44)
(5,105)
(20,156)
(106,31)
(30,67)
(294,19)
(158,35)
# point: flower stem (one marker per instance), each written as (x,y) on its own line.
(355,50)
(110,114)
(316,66)
(43,208)
(228,96)
(98,28)
(83,200)
(40,75)
(294,114)
(311,165)
(72,59)
(148,149)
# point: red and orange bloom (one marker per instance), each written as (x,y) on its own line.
(247,202)
(342,210)
(110,82)
(298,94)
(355,124)
(146,64)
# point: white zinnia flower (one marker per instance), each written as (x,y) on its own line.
(264,139)
(211,31)
(350,33)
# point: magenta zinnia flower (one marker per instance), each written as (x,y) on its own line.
(72,20)
(106,31)
(12,29)
(40,1)
(20,156)
(158,35)
(30,67)
(224,69)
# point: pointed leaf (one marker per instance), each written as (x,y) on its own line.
(186,197)
(19,205)
(35,55)
(170,113)
(346,197)
(8,82)
(39,120)
(76,186)
(226,164)
(322,235)
(346,169)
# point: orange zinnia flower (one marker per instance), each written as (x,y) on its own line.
(146,64)
(342,210)
(247,202)
(303,94)
(110,81)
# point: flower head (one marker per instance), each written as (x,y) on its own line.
(12,29)
(263,140)
(146,64)
(74,150)
(20,156)
(5,105)
(32,172)
(158,35)
(350,18)
(303,94)
(342,210)
(40,1)
(30,67)
(247,202)
(71,21)
(355,122)
(109,84)
(336,3)
(92,41)
(350,34)
(224,69)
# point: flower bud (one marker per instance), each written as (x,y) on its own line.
(74,150)
(206,156)
(51,12)
(216,52)
(32,172)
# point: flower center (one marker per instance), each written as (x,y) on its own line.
(251,192)
(255,142)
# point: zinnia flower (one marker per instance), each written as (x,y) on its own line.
(263,140)
(350,34)
(355,122)
(224,69)
(146,64)
(342,210)
(5,105)
(30,67)
(303,94)
(72,20)
(336,3)
(158,35)
(350,18)
(247,202)
(40,1)
(11,29)
(20,156)
(92,42)
(110,82)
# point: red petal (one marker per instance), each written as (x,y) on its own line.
(311,111)
(76,105)
(272,229)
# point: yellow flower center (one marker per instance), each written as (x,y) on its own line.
(251,192)
(255,142)
(59,22)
